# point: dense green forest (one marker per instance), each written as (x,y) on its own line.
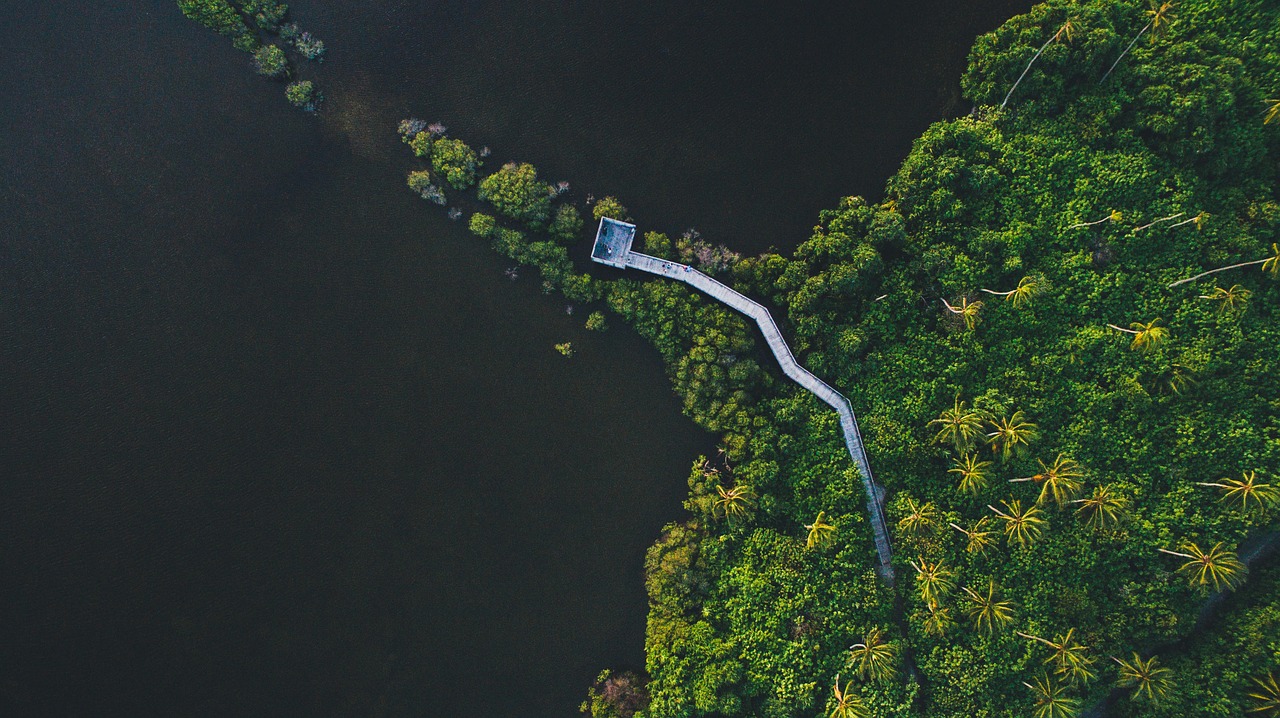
(1081,449)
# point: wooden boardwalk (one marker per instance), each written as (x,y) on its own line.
(798,374)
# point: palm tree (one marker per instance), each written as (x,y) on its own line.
(1065,31)
(821,533)
(1229,300)
(1104,508)
(1011,435)
(1023,526)
(1242,491)
(973,474)
(1069,657)
(1176,379)
(1060,482)
(1267,698)
(932,579)
(1270,265)
(1148,679)
(1050,701)
(733,503)
(1028,288)
(1273,111)
(938,621)
(1145,336)
(920,518)
(959,425)
(968,311)
(1112,216)
(986,610)
(1161,14)
(979,537)
(873,658)
(1218,566)
(848,704)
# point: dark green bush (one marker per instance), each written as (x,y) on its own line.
(217,15)
(567,225)
(269,61)
(454,161)
(609,207)
(301,94)
(517,193)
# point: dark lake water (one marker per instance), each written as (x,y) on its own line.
(278,439)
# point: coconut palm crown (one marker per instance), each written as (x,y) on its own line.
(733,503)
(919,519)
(1021,526)
(959,426)
(933,579)
(1012,435)
(987,611)
(1246,492)
(1148,679)
(1103,509)
(1217,566)
(1266,697)
(973,474)
(979,537)
(1051,700)
(820,533)
(873,658)
(847,704)
(1059,482)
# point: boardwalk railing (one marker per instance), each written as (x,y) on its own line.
(798,374)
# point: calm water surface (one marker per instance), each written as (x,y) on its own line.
(277,438)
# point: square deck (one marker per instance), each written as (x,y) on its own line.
(613,242)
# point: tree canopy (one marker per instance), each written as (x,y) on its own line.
(516,193)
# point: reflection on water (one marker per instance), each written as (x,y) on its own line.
(356,109)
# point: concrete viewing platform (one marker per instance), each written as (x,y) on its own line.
(613,247)
(613,242)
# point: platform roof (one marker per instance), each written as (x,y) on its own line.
(613,241)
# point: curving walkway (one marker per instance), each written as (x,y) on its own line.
(792,368)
